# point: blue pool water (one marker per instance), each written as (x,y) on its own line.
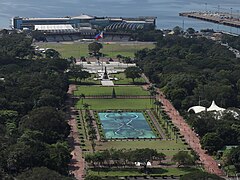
(125,125)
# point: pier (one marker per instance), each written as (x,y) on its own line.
(226,19)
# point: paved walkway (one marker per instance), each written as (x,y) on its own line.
(77,164)
(95,125)
(191,138)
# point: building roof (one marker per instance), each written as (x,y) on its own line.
(83,16)
(53,27)
(137,22)
(44,19)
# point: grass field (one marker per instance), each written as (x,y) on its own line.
(110,50)
(104,104)
(88,81)
(123,80)
(101,90)
(168,147)
(138,172)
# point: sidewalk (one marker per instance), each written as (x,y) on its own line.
(191,138)
(77,163)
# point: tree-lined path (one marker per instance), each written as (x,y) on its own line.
(77,164)
(191,137)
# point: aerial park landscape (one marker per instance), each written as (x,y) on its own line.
(105,98)
(131,115)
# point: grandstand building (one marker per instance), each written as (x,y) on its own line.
(83,27)
(82,22)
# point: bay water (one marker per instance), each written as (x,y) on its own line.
(166,11)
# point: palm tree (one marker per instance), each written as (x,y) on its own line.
(86,106)
(82,96)
(158,104)
(152,91)
(153,94)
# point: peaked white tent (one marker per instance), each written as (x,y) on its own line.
(213,107)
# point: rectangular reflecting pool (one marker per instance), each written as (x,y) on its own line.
(125,125)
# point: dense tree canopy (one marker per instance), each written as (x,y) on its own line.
(189,68)
(232,41)
(48,121)
(234,158)
(33,128)
(41,173)
(193,71)
(216,131)
(15,45)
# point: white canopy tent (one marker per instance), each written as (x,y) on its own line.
(213,107)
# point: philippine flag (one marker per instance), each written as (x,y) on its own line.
(99,36)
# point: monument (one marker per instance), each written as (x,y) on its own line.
(105,75)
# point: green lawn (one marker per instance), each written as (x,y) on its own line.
(101,90)
(138,172)
(168,147)
(88,81)
(104,104)
(110,50)
(123,80)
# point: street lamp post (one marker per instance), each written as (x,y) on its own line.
(231,20)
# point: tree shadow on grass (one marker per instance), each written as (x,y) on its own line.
(133,170)
(138,83)
(156,170)
(188,169)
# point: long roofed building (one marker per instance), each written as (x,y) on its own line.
(84,20)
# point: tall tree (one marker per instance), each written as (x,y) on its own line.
(82,96)
(59,157)
(114,94)
(182,158)
(133,72)
(95,47)
(52,53)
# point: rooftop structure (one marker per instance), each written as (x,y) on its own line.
(80,21)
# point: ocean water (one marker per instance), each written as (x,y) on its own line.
(166,11)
